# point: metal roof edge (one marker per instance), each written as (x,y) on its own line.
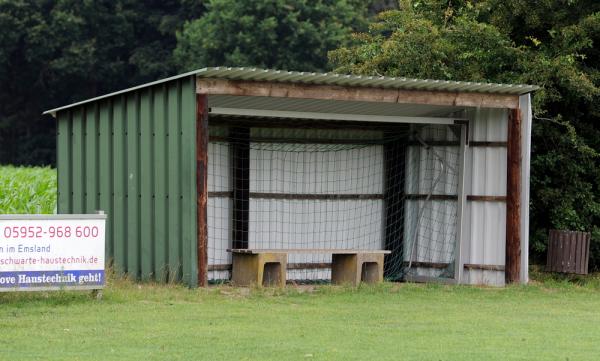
(137,87)
(284,76)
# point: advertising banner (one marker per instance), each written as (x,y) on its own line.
(51,252)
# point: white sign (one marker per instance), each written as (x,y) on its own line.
(43,252)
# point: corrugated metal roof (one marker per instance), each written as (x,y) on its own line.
(283,76)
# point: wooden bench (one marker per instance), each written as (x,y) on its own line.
(267,267)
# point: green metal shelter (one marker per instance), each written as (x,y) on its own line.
(140,154)
(132,154)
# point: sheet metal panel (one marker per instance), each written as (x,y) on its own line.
(432,238)
(119,183)
(485,241)
(132,134)
(160,176)
(146,185)
(90,158)
(105,155)
(526,121)
(64,159)
(133,156)
(76,194)
(488,124)
(485,174)
(174,184)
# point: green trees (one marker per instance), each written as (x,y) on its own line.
(279,34)
(549,43)
(57,52)
(406,43)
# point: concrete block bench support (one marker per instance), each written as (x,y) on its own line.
(261,269)
(354,268)
(267,267)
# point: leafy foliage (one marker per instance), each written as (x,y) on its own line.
(549,43)
(278,34)
(57,52)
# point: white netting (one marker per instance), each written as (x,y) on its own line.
(390,188)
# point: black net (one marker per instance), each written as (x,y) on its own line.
(338,187)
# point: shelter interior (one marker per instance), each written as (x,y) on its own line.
(317,173)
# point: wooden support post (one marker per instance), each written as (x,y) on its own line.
(394,158)
(202,186)
(513,198)
(239,139)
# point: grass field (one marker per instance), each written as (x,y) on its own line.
(27,190)
(555,320)
(552,319)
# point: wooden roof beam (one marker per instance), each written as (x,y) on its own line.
(365,94)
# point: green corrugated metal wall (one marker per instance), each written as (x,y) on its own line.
(133,156)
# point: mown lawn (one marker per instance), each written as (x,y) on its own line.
(552,319)
(548,321)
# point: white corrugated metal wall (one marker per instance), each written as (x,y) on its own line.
(485,175)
